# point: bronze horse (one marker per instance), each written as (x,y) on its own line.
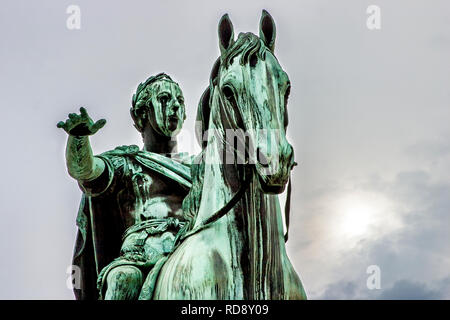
(238,253)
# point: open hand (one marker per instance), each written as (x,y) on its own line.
(81,125)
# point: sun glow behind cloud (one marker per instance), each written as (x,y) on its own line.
(348,219)
(359,215)
(356,218)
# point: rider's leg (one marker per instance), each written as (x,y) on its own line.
(123,283)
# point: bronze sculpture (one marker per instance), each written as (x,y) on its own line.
(225,239)
(234,247)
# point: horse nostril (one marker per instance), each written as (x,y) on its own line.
(175,109)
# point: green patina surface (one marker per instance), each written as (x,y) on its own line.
(156,224)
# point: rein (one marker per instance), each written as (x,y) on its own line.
(226,208)
(233,201)
(287,206)
(227,118)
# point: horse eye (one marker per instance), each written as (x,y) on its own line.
(228,92)
(163,99)
(229,95)
(253,60)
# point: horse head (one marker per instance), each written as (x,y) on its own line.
(242,256)
(252,89)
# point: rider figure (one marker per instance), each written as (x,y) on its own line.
(131,211)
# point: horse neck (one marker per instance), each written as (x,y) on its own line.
(217,190)
(220,180)
(254,224)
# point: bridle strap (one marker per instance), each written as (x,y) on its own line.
(225,209)
(287,206)
(287,210)
(234,200)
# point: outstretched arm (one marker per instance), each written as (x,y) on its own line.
(81,163)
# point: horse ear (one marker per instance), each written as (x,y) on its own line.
(267,30)
(226,33)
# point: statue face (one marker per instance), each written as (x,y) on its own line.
(168,112)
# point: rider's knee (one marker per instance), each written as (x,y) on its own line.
(125,274)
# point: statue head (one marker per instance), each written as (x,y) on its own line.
(158,102)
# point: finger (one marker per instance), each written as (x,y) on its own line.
(83,112)
(65,125)
(98,125)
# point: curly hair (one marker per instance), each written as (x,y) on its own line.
(142,99)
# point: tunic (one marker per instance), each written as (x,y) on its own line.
(129,215)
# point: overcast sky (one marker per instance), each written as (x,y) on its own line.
(369,113)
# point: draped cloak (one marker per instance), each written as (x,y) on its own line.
(100,222)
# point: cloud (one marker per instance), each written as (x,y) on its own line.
(433,149)
(414,257)
(410,290)
(356,103)
(341,290)
(403,289)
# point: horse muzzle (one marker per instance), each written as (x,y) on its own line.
(274,170)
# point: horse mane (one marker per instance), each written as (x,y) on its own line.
(247,45)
